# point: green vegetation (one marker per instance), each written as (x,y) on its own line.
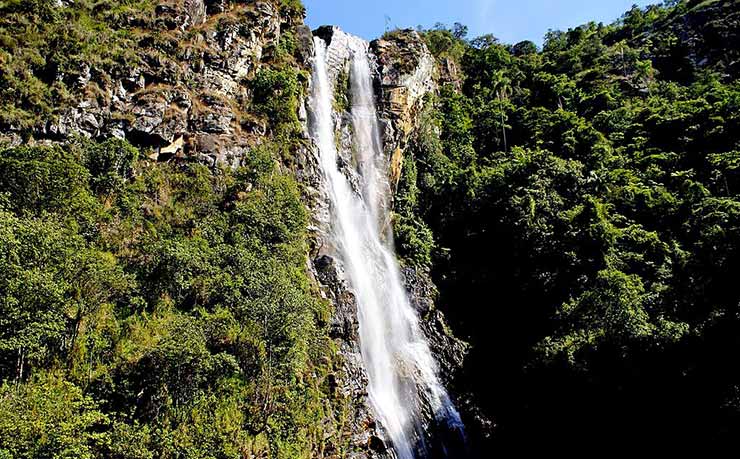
(50,50)
(155,310)
(45,49)
(342,93)
(151,310)
(578,206)
(585,207)
(276,97)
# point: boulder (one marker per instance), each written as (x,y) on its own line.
(181,14)
(160,114)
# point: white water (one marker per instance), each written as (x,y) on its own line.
(402,373)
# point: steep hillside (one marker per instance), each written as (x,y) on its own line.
(166,291)
(154,298)
(582,202)
(169,282)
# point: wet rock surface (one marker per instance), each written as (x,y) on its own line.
(365,438)
(448,350)
(405,74)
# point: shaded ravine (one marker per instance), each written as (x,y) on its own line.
(403,383)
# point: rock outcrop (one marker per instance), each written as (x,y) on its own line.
(406,74)
(448,350)
(706,31)
(339,49)
(188,95)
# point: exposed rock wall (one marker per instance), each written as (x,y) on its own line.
(339,48)
(363,438)
(706,31)
(406,74)
(189,95)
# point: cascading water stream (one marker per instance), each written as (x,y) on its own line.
(403,380)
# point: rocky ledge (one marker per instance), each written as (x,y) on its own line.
(189,94)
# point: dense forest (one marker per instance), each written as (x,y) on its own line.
(149,309)
(163,316)
(579,207)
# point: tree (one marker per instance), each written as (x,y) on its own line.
(49,417)
(484,41)
(524,48)
(459,31)
(35,264)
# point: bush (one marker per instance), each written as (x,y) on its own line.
(181,305)
(276,97)
(49,417)
(42,180)
(110,163)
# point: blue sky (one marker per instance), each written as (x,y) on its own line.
(509,20)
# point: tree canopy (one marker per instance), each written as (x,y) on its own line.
(579,206)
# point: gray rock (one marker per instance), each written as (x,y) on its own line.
(161,114)
(339,49)
(305,44)
(216,6)
(181,15)
(365,436)
(406,69)
(151,104)
(449,350)
(214,116)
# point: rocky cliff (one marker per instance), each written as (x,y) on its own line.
(405,74)
(198,87)
(189,93)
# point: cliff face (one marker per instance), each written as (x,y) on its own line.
(188,95)
(192,93)
(404,76)
(363,438)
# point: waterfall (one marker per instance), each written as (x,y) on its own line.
(403,381)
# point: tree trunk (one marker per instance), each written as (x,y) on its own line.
(20,366)
(75,334)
